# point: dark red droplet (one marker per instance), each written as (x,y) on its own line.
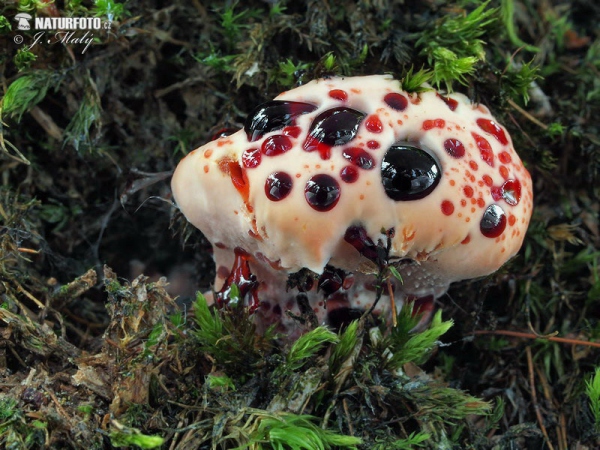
(322,192)
(278,186)
(359,157)
(223,132)
(336,126)
(338,94)
(274,115)
(493,221)
(485,149)
(373,145)
(349,174)
(331,280)
(251,158)
(452,104)
(447,207)
(358,238)
(293,131)
(276,145)
(491,127)
(373,124)
(396,101)
(511,192)
(454,148)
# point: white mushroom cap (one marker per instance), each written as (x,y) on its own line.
(469,222)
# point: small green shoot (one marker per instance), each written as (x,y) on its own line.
(123,436)
(406,346)
(414,81)
(307,346)
(89,114)
(507,11)
(517,82)
(222,382)
(329,62)
(414,440)
(592,390)
(453,45)
(555,129)
(26,92)
(24,58)
(5,25)
(108,8)
(296,432)
(287,72)
(345,347)
(229,336)
(232,24)
(214,59)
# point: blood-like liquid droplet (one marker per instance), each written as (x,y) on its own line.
(511,192)
(359,157)
(454,148)
(276,145)
(251,158)
(322,192)
(493,221)
(396,101)
(491,127)
(485,149)
(278,186)
(349,174)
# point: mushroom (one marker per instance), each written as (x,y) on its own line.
(324,171)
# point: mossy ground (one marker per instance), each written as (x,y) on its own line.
(92,354)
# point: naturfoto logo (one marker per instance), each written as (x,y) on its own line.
(65,29)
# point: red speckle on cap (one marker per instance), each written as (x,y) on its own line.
(276,145)
(447,207)
(373,145)
(452,104)
(487,180)
(511,192)
(491,127)
(473,165)
(251,158)
(454,148)
(373,124)
(480,202)
(338,94)
(349,174)
(468,191)
(496,193)
(292,130)
(512,220)
(485,149)
(206,169)
(504,157)
(503,172)
(435,123)
(396,101)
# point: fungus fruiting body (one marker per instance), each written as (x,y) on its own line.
(322,173)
